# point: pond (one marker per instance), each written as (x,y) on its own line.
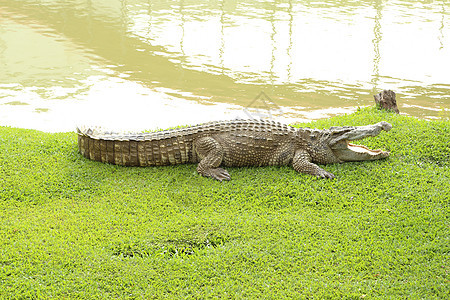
(134,65)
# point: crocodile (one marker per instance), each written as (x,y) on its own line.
(235,143)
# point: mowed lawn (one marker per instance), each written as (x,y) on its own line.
(71,228)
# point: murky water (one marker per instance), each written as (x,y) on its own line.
(145,64)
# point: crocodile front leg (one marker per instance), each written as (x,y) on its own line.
(210,153)
(302,163)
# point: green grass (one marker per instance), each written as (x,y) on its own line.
(74,228)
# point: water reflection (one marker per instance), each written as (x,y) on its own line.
(441,29)
(376,46)
(313,59)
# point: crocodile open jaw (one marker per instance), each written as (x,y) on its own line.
(346,151)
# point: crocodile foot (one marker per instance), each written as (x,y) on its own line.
(218,174)
(325,175)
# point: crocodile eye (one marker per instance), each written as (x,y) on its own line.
(312,137)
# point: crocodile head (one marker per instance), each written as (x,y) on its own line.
(333,145)
(338,140)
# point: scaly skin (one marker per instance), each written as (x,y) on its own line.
(233,144)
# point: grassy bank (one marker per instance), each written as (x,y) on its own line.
(74,228)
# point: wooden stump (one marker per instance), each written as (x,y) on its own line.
(386,100)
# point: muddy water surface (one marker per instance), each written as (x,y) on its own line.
(145,64)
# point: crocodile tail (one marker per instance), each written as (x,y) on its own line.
(131,149)
(91,146)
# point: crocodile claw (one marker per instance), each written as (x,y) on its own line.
(219,174)
(325,175)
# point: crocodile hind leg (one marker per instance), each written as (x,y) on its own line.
(302,163)
(210,153)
